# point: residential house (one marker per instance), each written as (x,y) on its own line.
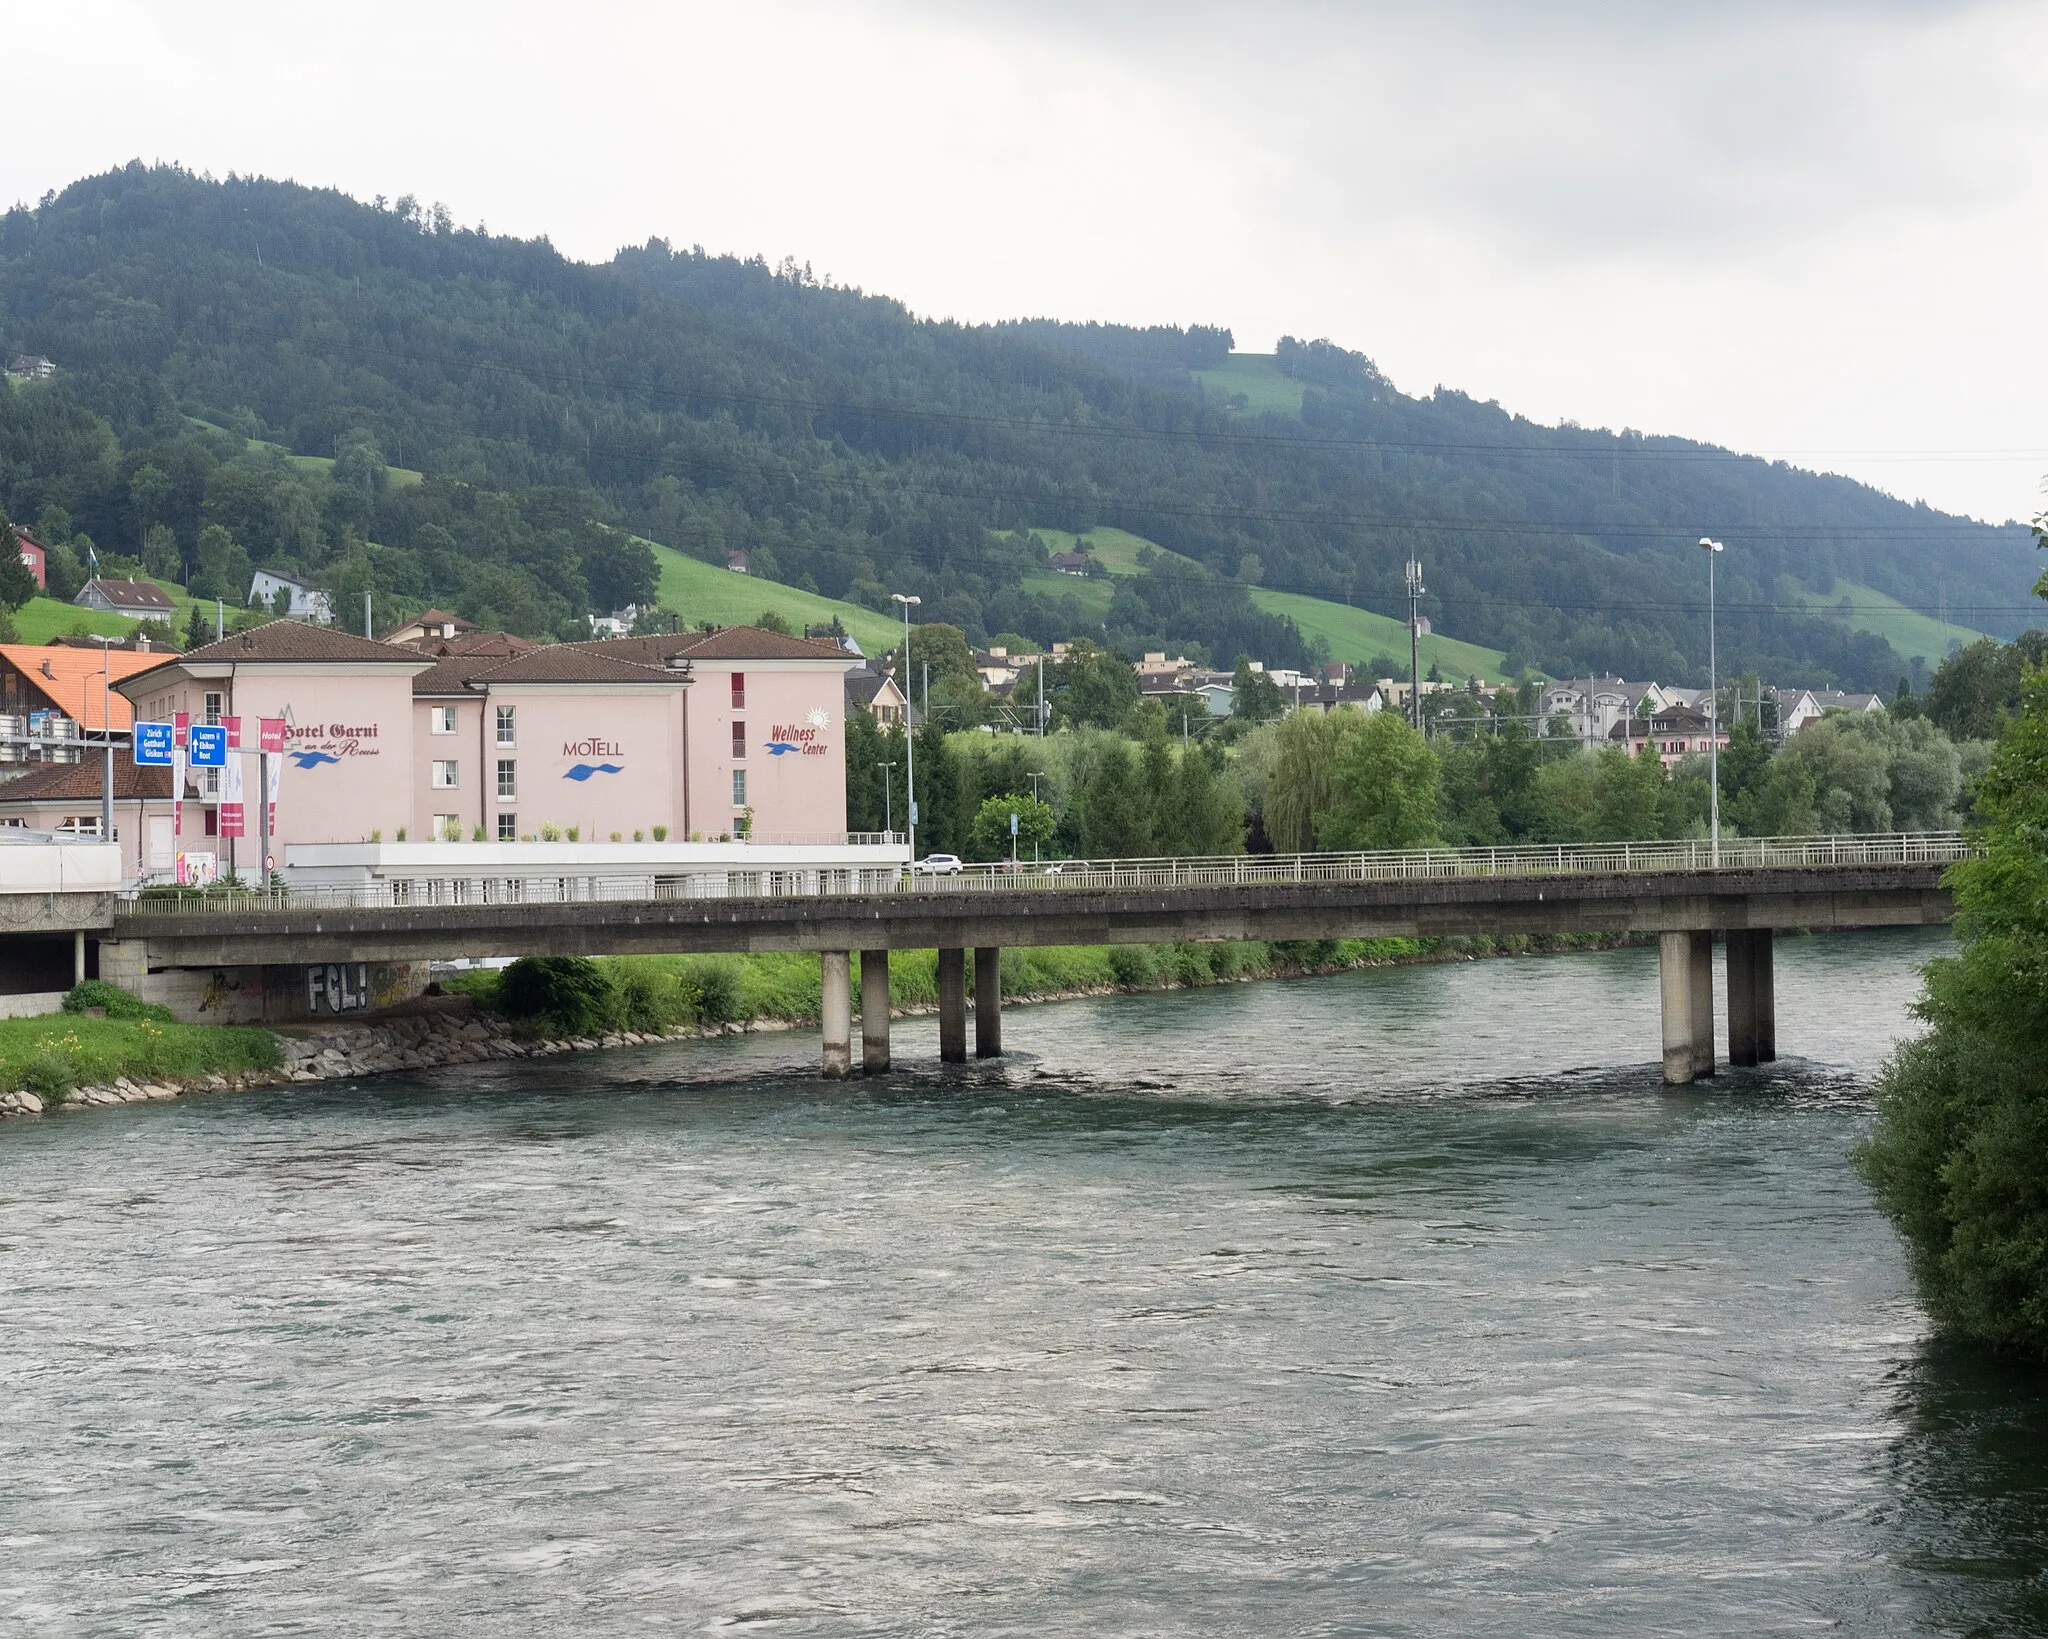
(1072,563)
(1591,706)
(426,626)
(1678,732)
(290,597)
(54,699)
(1159,674)
(619,623)
(137,599)
(877,694)
(737,559)
(31,367)
(65,798)
(999,668)
(1798,707)
(36,556)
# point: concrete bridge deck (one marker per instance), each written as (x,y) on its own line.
(1685,892)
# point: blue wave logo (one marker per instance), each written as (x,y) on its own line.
(781,748)
(313,759)
(583,771)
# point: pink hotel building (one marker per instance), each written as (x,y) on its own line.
(706,734)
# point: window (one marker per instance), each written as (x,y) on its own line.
(448,827)
(508,779)
(739,788)
(447,775)
(507,725)
(739,691)
(739,739)
(80,825)
(441,720)
(213,704)
(209,782)
(508,827)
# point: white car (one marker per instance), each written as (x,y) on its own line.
(938,865)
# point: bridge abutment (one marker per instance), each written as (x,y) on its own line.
(1685,980)
(874,1012)
(952,1004)
(835,994)
(988,1002)
(1752,997)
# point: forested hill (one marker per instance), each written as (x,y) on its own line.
(206,333)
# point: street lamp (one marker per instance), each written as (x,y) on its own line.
(888,823)
(107,737)
(909,739)
(1711,547)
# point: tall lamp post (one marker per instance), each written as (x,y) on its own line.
(909,735)
(888,819)
(1711,548)
(1415,643)
(107,737)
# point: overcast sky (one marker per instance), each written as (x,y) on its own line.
(1810,228)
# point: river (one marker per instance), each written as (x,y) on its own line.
(1400,1302)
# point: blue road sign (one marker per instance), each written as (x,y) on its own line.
(208,745)
(153,744)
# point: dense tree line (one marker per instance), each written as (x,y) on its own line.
(711,403)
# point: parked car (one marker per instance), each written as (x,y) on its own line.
(938,865)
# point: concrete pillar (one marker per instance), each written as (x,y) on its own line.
(835,976)
(874,1011)
(1685,979)
(952,1005)
(124,962)
(988,1002)
(1702,997)
(78,957)
(1752,1021)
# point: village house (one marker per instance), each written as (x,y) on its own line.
(290,598)
(1591,706)
(1678,732)
(36,556)
(137,599)
(877,694)
(1072,563)
(55,698)
(64,798)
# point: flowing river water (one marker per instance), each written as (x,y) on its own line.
(1402,1302)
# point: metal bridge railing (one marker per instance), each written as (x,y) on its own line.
(1230,870)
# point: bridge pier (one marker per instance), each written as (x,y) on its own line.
(1685,980)
(952,1004)
(988,1002)
(835,991)
(874,1012)
(1752,997)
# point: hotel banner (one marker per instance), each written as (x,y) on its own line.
(231,796)
(178,787)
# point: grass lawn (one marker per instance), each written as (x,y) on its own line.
(41,619)
(701,591)
(1908,630)
(1359,635)
(1353,634)
(61,1050)
(1257,377)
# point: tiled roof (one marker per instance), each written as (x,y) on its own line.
(495,645)
(752,643)
(135,594)
(575,663)
(281,641)
(71,679)
(81,781)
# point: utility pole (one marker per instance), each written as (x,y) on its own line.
(367,632)
(888,824)
(1415,642)
(1041,698)
(1034,778)
(909,736)
(1712,549)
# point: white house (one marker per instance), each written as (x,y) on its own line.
(137,599)
(291,597)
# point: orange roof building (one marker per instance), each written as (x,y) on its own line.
(73,681)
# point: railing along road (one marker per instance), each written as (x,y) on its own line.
(1230,870)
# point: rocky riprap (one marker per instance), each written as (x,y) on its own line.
(421,1041)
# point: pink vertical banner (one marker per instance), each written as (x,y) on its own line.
(234,727)
(180,721)
(231,810)
(276,769)
(178,784)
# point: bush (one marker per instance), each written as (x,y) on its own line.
(571,994)
(50,1073)
(650,999)
(1133,965)
(717,986)
(119,1003)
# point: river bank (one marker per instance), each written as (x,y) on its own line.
(77,1061)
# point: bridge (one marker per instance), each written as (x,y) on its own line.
(1685,893)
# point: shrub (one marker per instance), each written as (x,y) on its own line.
(717,986)
(119,1003)
(571,993)
(661,833)
(1133,965)
(50,1073)
(574,833)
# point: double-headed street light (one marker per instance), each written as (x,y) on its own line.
(909,739)
(1711,547)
